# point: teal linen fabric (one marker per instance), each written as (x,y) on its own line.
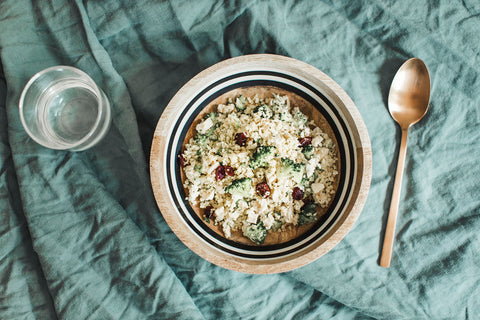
(82,238)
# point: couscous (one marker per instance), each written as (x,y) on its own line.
(259,166)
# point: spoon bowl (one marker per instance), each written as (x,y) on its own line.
(409,93)
(408,103)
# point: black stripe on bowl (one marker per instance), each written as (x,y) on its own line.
(239,80)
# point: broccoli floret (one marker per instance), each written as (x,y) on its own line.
(308,214)
(262,156)
(198,168)
(211,130)
(276,225)
(241,103)
(308,152)
(299,119)
(305,182)
(211,115)
(256,232)
(241,187)
(201,140)
(289,168)
(263,111)
(209,133)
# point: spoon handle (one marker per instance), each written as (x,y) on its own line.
(392,215)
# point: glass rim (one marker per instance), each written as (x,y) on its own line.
(64,145)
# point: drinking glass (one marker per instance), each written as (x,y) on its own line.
(62,108)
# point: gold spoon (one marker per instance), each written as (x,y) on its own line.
(407,102)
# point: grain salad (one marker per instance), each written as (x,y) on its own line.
(258,166)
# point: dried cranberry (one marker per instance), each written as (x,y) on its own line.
(229,170)
(220,172)
(305,141)
(241,138)
(297,193)
(263,190)
(181,160)
(209,212)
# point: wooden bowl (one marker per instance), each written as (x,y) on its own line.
(322,100)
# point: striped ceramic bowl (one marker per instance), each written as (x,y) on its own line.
(317,96)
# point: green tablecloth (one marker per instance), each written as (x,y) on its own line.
(81,236)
